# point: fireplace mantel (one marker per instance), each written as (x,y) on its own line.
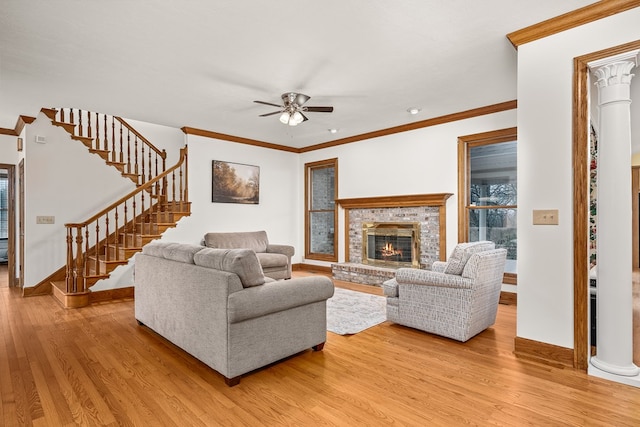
(436,199)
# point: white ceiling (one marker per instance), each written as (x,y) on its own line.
(202,63)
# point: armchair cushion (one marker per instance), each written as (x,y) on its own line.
(243,262)
(462,252)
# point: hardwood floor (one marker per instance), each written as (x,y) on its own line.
(96,366)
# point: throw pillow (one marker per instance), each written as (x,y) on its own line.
(243,262)
(457,260)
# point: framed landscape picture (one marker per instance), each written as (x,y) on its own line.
(235,183)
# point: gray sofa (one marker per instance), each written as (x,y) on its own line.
(218,306)
(274,259)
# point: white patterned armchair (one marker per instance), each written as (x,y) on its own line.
(457,299)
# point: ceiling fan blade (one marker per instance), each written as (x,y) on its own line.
(319,109)
(270,114)
(268,103)
(304,118)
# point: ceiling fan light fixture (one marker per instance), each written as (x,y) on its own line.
(297,117)
(284,118)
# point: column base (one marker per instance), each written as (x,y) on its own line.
(627,371)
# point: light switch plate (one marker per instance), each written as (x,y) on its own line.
(45,219)
(545,217)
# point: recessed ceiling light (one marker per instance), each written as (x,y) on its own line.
(333,130)
(413,110)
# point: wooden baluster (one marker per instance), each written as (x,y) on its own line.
(62,115)
(89,124)
(105,140)
(135,156)
(133,218)
(127,230)
(143,213)
(185,165)
(121,143)
(107,249)
(79,268)
(181,188)
(117,233)
(173,186)
(97,130)
(87,265)
(113,139)
(69,270)
(97,250)
(143,175)
(80,122)
(128,151)
(71,115)
(149,170)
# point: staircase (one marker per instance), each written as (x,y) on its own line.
(98,245)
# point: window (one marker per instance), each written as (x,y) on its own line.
(4,204)
(488,190)
(321,212)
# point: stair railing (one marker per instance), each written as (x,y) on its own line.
(93,243)
(136,155)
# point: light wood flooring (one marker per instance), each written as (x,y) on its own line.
(96,366)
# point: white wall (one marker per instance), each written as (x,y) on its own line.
(545,253)
(421,161)
(278,211)
(8,149)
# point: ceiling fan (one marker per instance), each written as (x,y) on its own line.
(293,108)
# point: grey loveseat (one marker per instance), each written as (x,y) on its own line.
(217,306)
(274,259)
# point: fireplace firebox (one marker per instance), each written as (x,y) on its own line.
(391,244)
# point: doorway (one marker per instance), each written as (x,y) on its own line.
(7,227)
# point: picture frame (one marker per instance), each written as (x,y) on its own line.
(19,144)
(235,183)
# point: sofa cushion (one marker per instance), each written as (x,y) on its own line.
(461,254)
(182,252)
(243,262)
(268,260)
(255,240)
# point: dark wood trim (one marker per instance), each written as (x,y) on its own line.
(308,167)
(239,139)
(541,352)
(311,268)
(575,18)
(20,124)
(580,163)
(111,294)
(475,112)
(436,199)
(464,170)
(508,298)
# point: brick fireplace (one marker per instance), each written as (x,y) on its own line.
(421,218)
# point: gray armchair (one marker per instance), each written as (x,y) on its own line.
(458,300)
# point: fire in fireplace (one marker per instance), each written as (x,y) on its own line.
(391,244)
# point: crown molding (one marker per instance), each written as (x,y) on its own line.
(481,111)
(575,18)
(239,139)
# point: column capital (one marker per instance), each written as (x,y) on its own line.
(615,70)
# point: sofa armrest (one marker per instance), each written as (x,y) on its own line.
(278,296)
(281,249)
(414,276)
(439,266)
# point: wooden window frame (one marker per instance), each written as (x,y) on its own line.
(464,171)
(308,168)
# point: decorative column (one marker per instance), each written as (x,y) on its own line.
(614,250)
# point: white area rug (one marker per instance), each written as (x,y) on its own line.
(350,312)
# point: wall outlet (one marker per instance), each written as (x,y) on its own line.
(545,217)
(45,219)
